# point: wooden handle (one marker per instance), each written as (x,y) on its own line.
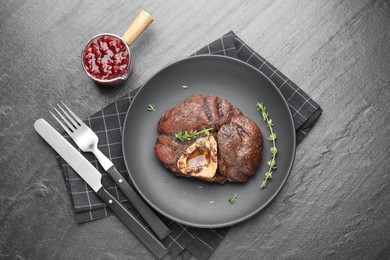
(140,23)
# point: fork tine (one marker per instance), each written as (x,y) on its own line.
(59,121)
(76,125)
(70,126)
(73,114)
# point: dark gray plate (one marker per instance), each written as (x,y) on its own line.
(187,201)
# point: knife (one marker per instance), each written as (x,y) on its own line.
(93,178)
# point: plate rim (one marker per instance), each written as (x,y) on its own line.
(277,191)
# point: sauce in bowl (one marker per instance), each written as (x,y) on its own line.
(107,59)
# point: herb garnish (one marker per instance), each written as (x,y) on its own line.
(183,136)
(184,86)
(166,179)
(151,107)
(272,138)
(211,202)
(233,198)
(200,187)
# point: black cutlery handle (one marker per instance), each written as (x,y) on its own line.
(154,222)
(143,234)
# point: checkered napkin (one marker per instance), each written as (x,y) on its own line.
(183,241)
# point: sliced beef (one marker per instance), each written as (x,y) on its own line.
(240,146)
(186,116)
(168,150)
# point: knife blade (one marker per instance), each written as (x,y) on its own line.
(93,178)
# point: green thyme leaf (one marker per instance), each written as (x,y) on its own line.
(272,137)
(264,114)
(271,163)
(166,179)
(180,135)
(232,199)
(211,202)
(200,187)
(151,107)
(185,136)
(184,86)
(260,106)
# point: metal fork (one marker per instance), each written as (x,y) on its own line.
(87,141)
(82,135)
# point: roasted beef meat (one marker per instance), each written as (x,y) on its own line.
(230,151)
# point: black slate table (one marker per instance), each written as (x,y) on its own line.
(335,204)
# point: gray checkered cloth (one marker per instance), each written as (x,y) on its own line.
(183,241)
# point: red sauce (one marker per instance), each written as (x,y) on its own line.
(106,57)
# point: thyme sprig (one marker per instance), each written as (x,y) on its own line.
(184,136)
(272,137)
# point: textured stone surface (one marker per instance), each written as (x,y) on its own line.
(335,204)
